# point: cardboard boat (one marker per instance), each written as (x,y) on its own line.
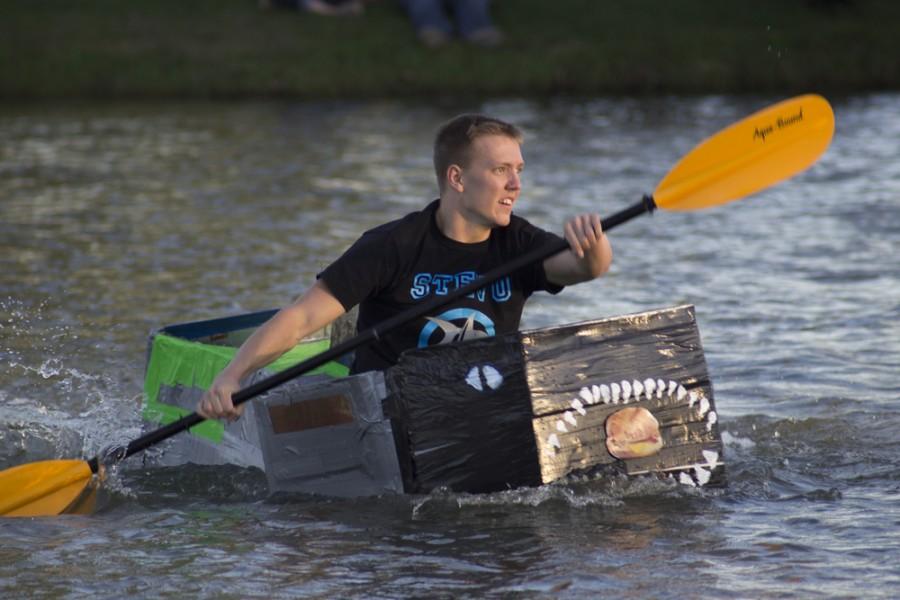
(628,394)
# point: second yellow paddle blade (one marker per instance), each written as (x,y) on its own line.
(767,147)
(42,488)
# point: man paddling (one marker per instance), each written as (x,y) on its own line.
(468,231)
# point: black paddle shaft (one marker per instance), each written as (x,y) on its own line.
(419,310)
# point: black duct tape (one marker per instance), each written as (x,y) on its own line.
(530,408)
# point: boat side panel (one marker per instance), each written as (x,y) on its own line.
(329,436)
(581,374)
(464,417)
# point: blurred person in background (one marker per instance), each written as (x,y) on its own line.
(329,8)
(438,21)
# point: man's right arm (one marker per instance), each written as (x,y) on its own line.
(315,309)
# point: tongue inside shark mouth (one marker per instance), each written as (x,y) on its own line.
(648,426)
(633,432)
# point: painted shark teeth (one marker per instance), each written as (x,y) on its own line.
(604,392)
(696,476)
(586,395)
(579,407)
(712,458)
(625,392)
(702,475)
(638,388)
(704,406)
(711,420)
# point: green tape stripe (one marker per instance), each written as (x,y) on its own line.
(174,361)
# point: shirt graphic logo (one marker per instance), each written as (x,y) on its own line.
(455,325)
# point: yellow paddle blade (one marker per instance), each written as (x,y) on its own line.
(767,147)
(42,488)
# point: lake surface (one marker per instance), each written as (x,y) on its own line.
(117,219)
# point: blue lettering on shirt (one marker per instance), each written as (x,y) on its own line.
(419,288)
(501,290)
(465,278)
(439,284)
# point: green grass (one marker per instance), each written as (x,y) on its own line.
(230,48)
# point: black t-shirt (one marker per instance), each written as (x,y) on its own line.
(397,264)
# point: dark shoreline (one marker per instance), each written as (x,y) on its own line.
(232,50)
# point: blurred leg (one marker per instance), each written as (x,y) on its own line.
(472,16)
(427,14)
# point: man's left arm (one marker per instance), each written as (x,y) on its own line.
(589,254)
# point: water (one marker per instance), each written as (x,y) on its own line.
(117,219)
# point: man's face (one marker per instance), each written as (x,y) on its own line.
(491,181)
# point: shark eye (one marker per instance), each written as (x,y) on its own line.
(486,376)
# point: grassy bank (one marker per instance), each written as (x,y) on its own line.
(231,48)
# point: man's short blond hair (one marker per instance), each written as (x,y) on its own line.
(453,142)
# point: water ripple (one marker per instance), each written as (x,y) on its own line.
(120,219)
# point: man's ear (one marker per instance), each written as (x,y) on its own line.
(454,178)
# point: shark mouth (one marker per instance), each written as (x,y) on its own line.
(654,426)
